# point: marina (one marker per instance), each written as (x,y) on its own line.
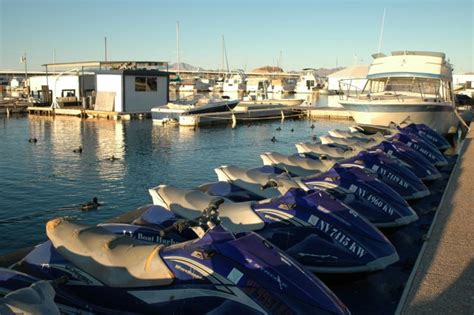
(216,161)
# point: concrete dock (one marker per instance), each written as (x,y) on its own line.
(442,281)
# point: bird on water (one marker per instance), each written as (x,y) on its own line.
(32,140)
(78,150)
(91,205)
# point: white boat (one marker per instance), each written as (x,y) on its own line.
(257,84)
(234,81)
(193,104)
(308,81)
(408,84)
(282,86)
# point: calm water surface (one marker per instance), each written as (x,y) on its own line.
(46,180)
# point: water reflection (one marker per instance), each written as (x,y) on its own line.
(47,179)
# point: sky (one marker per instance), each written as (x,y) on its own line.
(305,33)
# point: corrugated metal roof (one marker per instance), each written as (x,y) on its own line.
(357,71)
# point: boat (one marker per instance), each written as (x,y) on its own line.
(283,85)
(327,237)
(308,82)
(257,85)
(234,81)
(192,104)
(408,84)
(128,269)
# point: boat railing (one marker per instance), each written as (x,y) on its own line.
(348,90)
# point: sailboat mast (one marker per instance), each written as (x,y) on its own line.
(225,52)
(381,31)
(177,45)
(222,56)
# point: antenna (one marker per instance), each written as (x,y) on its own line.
(381,30)
(177,45)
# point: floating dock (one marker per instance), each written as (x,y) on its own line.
(85,113)
(13,107)
(329,113)
(442,280)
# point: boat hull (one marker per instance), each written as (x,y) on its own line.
(439,117)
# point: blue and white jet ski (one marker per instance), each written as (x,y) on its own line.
(426,133)
(365,194)
(396,150)
(318,231)
(397,176)
(217,273)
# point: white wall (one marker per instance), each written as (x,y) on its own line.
(462,78)
(56,83)
(144,101)
(111,83)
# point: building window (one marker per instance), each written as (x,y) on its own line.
(146,84)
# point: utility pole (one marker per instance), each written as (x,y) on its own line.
(24,61)
(177,45)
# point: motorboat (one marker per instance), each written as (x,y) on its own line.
(283,85)
(193,104)
(121,269)
(407,84)
(326,236)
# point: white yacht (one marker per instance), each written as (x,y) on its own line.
(282,86)
(408,84)
(234,81)
(308,81)
(192,104)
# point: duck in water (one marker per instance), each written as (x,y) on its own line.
(278,129)
(112,158)
(273,139)
(312,126)
(78,150)
(91,205)
(32,140)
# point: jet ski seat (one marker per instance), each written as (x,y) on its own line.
(115,260)
(364,143)
(37,299)
(235,216)
(251,176)
(296,164)
(327,150)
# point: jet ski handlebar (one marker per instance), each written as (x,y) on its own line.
(208,219)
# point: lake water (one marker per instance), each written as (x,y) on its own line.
(45,180)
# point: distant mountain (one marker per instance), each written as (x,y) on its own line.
(184,66)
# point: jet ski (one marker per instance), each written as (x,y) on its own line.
(26,295)
(409,157)
(322,151)
(365,194)
(217,272)
(426,133)
(397,151)
(430,152)
(401,179)
(315,229)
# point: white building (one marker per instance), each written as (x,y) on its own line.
(131,91)
(353,76)
(119,86)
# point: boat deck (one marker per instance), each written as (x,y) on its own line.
(442,281)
